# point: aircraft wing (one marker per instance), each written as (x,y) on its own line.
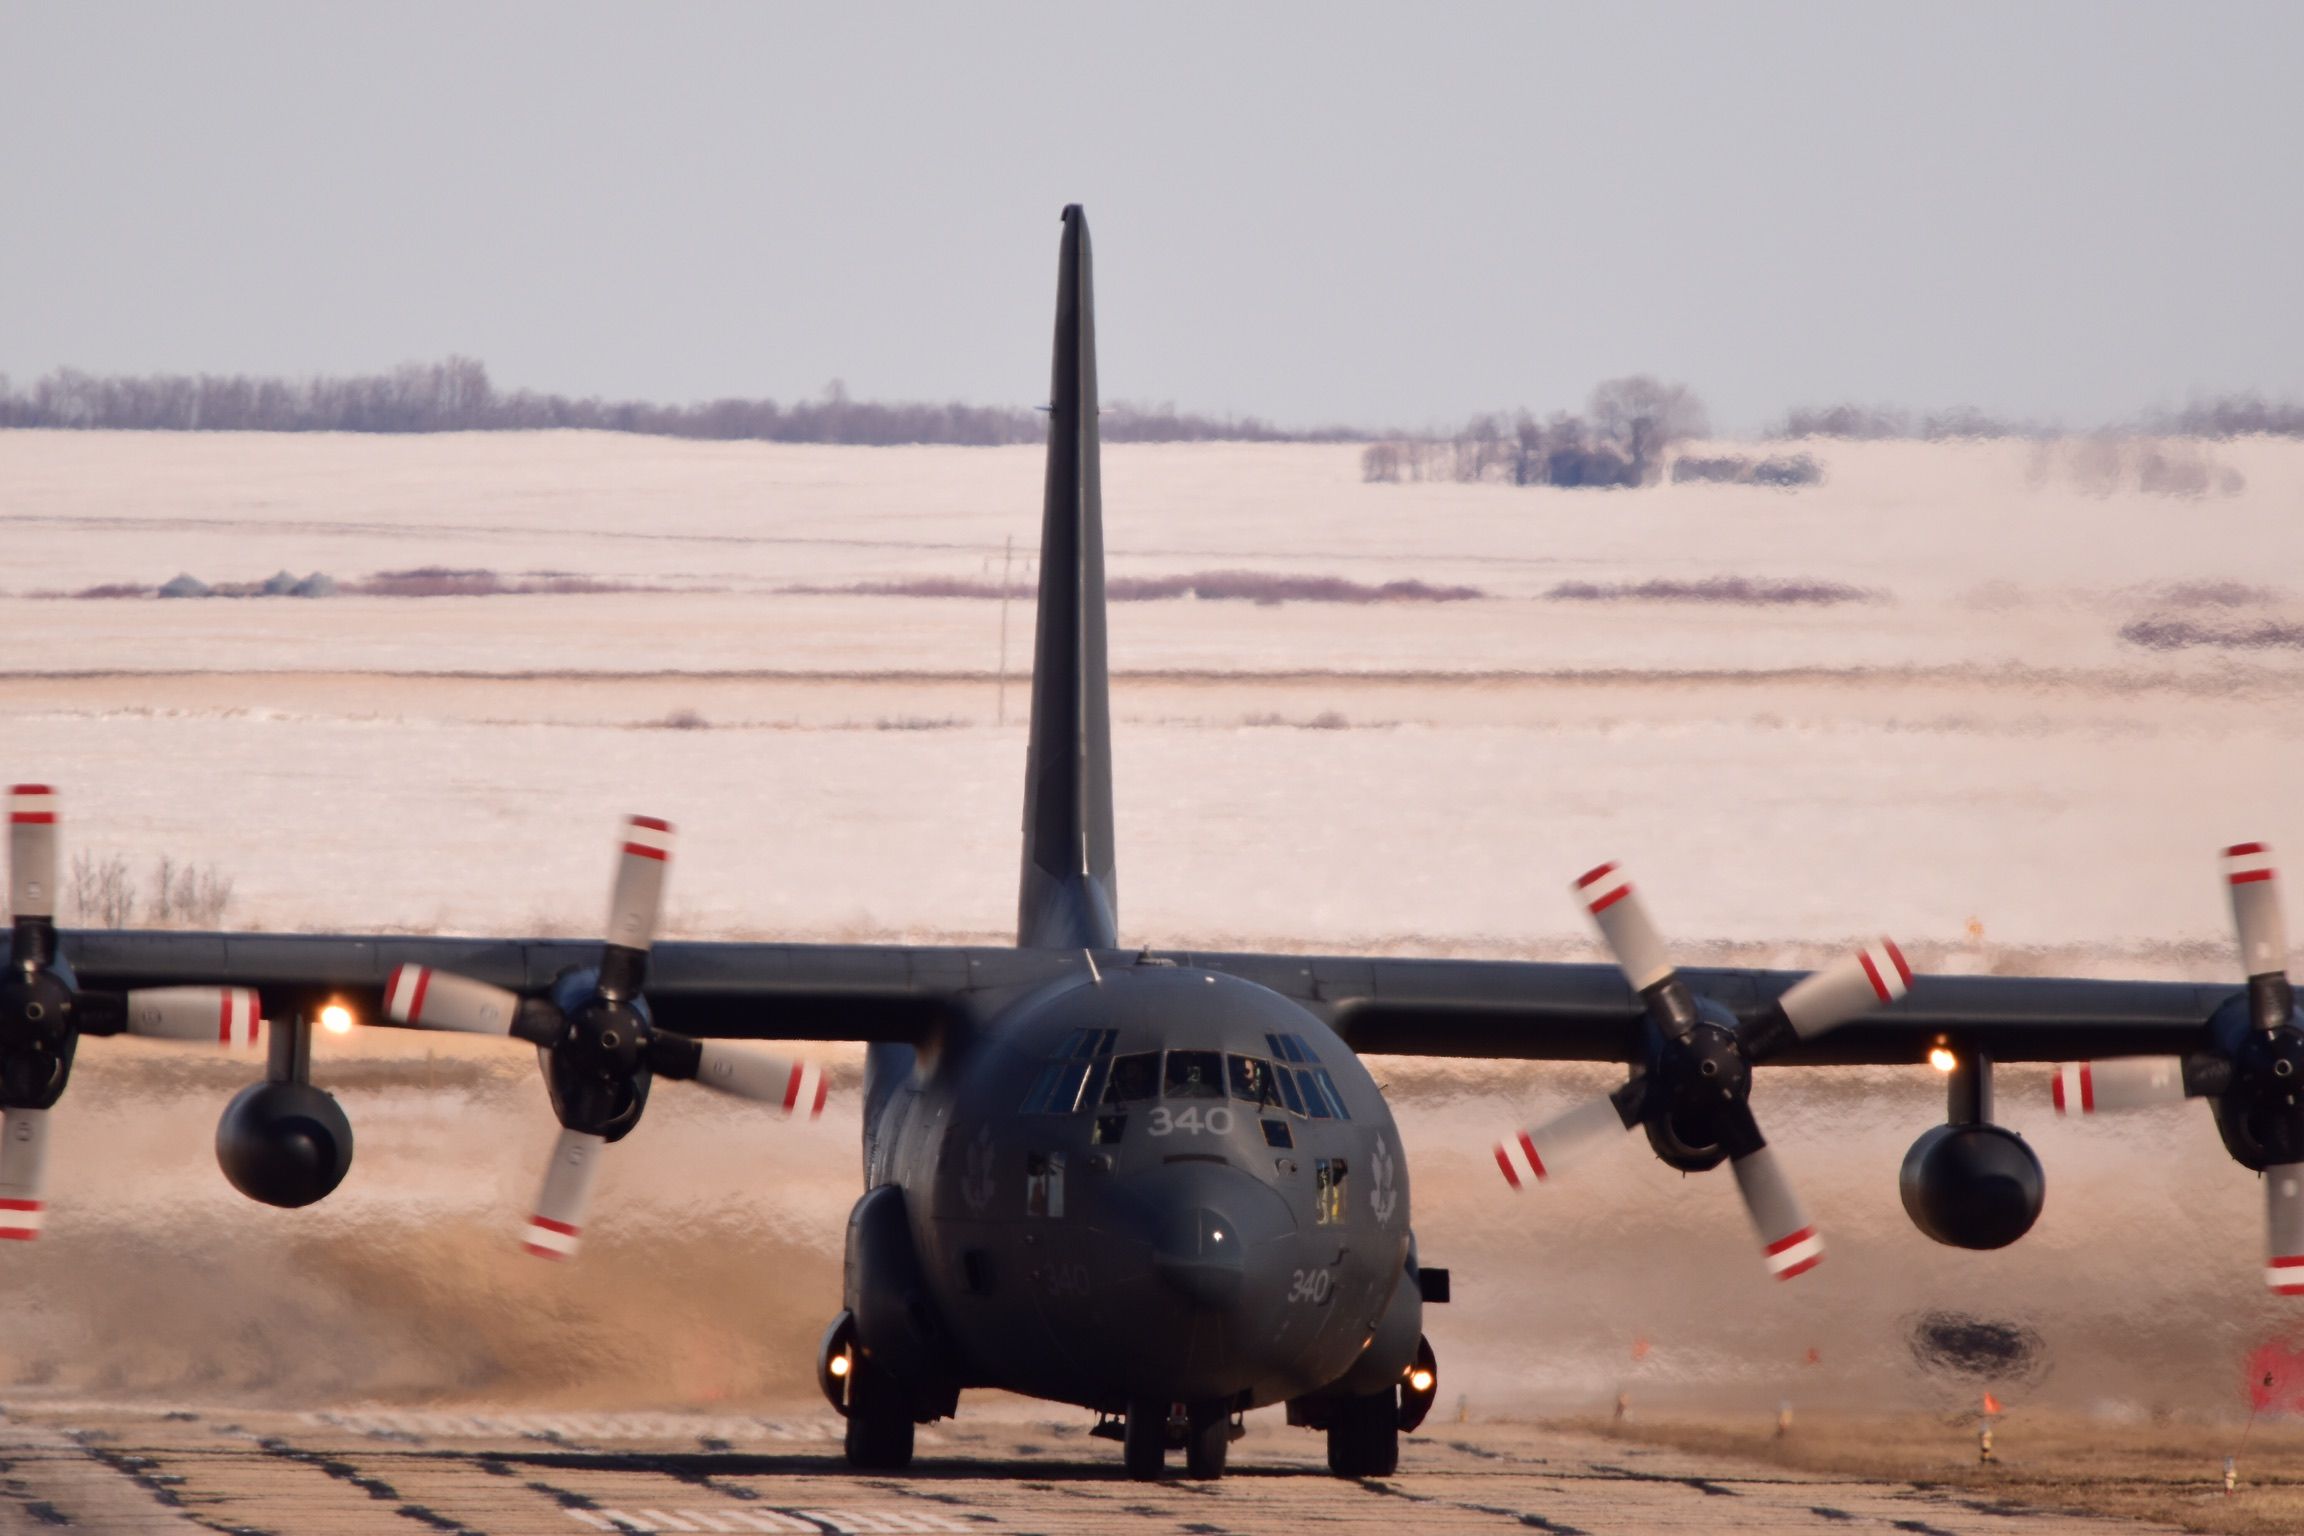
(1565,1012)
(1513,1010)
(711,991)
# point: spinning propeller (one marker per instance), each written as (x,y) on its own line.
(43,1013)
(598,1043)
(1692,1095)
(2255,1071)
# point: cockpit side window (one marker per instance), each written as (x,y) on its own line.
(1315,1102)
(1075,1081)
(1328,1199)
(1195,1075)
(1288,1092)
(1133,1078)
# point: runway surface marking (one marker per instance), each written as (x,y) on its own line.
(108,1469)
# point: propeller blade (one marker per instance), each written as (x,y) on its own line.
(1846,989)
(2263,936)
(23,1169)
(1608,895)
(432,999)
(2125,1082)
(639,894)
(1787,1241)
(555,1230)
(32,851)
(1535,1154)
(2284,1224)
(748,1074)
(225,1016)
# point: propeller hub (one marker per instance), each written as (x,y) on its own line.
(2265,1104)
(1704,1081)
(36,1037)
(35,1009)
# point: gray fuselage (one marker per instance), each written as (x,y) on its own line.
(1163,1183)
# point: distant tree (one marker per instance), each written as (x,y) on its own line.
(1642,416)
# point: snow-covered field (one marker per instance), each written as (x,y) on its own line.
(1972,758)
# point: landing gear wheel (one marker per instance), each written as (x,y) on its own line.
(1207,1440)
(879,1420)
(1364,1436)
(1145,1448)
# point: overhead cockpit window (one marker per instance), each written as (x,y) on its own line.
(1195,1075)
(1133,1078)
(1253,1080)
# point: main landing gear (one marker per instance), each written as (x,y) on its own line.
(1364,1435)
(879,1419)
(1204,1430)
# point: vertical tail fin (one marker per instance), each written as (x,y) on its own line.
(1070,894)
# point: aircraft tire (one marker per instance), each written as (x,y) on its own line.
(1145,1448)
(879,1435)
(1208,1440)
(1364,1436)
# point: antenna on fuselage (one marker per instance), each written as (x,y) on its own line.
(1094,974)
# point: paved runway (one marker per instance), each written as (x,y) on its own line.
(145,1470)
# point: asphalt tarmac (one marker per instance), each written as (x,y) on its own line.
(99,1469)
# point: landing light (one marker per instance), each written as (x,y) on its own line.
(1420,1380)
(1941,1058)
(839,1366)
(336,1019)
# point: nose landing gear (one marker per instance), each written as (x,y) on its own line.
(1204,1430)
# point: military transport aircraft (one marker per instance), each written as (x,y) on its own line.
(1160,1186)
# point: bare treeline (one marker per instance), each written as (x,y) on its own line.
(2237,416)
(2241,415)
(1620,440)
(455,395)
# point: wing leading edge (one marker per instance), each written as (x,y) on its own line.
(1504,1010)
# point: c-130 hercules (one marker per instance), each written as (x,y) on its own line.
(1160,1186)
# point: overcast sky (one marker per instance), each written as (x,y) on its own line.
(1374,215)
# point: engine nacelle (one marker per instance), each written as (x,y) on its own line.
(285,1144)
(1972,1186)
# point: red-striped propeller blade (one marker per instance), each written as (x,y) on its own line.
(23,1172)
(228,1017)
(556,1230)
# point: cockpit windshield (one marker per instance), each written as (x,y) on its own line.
(1253,1080)
(1133,1078)
(1079,1086)
(1195,1075)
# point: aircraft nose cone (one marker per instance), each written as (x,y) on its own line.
(1199,1256)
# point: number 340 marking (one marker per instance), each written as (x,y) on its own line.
(1311,1285)
(1215,1122)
